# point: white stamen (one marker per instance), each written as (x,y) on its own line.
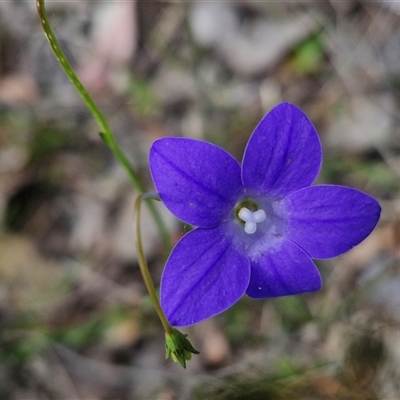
(251,219)
(245,214)
(259,216)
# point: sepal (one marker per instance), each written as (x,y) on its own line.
(178,347)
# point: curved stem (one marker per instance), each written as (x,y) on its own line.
(106,132)
(144,268)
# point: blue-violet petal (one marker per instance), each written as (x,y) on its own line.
(283,154)
(282,269)
(204,276)
(328,220)
(197,181)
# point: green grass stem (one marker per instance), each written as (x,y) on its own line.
(106,133)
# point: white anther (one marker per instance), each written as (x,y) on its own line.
(251,219)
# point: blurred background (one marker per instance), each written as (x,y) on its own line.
(75,321)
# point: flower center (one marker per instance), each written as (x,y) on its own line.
(251,219)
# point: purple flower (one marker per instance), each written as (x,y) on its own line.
(258,225)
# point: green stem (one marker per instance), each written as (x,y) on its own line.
(106,132)
(144,268)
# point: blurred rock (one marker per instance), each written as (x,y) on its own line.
(353,57)
(390,376)
(18,90)
(391,5)
(114,40)
(215,349)
(218,26)
(174,86)
(18,17)
(270,94)
(345,277)
(342,7)
(237,95)
(389,49)
(193,124)
(212,22)
(381,281)
(12,160)
(89,220)
(361,123)
(122,335)
(266,44)
(25,272)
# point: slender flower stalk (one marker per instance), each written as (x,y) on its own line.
(176,345)
(144,268)
(106,133)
